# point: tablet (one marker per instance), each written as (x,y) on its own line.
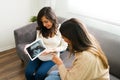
(35,49)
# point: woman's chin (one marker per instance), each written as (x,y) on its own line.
(48,27)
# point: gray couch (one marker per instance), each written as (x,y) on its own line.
(110,44)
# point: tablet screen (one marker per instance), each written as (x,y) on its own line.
(35,48)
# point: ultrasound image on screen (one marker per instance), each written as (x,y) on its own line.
(35,49)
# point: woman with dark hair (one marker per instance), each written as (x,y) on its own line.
(90,63)
(48,31)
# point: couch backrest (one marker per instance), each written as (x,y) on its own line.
(110,44)
(61,20)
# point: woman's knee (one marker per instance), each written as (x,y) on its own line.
(40,76)
(53,77)
(43,69)
(28,72)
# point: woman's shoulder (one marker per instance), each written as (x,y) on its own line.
(38,32)
(87,55)
(39,35)
(59,25)
(58,32)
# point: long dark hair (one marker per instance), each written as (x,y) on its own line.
(81,39)
(50,15)
(77,34)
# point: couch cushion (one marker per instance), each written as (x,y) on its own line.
(22,54)
(110,44)
(113,78)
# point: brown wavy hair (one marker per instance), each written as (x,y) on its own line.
(50,15)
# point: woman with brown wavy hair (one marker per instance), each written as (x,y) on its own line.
(48,32)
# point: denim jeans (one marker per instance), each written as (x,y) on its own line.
(54,75)
(37,69)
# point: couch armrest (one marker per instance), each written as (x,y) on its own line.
(25,34)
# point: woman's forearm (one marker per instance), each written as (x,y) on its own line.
(56,59)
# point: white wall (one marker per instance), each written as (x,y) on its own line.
(43,3)
(62,10)
(14,14)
